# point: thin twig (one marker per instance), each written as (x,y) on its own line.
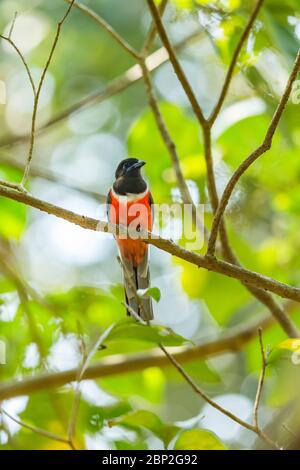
(12,25)
(176,64)
(212,188)
(263,148)
(289,430)
(259,391)
(38,92)
(18,51)
(41,432)
(260,381)
(152,30)
(214,404)
(233,62)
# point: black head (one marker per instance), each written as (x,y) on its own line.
(129,167)
(129,178)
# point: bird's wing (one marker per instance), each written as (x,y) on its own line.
(151,202)
(108,204)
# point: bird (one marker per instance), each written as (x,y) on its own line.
(130,203)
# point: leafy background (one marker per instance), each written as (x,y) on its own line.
(72,278)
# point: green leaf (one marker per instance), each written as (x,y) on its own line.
(285,352)
(130,329)
(148,420)
(198,439)
(143,418)
(153,292)
(93,417)
(292,344)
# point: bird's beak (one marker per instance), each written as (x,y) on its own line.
(136,166)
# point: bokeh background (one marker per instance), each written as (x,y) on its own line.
(71,277)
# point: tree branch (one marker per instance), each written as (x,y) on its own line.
(209,263)
(152,30)
(264,147)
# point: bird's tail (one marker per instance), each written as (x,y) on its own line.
(137,278)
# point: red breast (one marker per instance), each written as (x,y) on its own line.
(134,212)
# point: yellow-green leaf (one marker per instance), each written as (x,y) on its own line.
(153,292)
(198,439)
(292,344)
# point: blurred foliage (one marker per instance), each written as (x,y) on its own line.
(72,280)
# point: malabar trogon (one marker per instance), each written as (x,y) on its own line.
(129,202)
